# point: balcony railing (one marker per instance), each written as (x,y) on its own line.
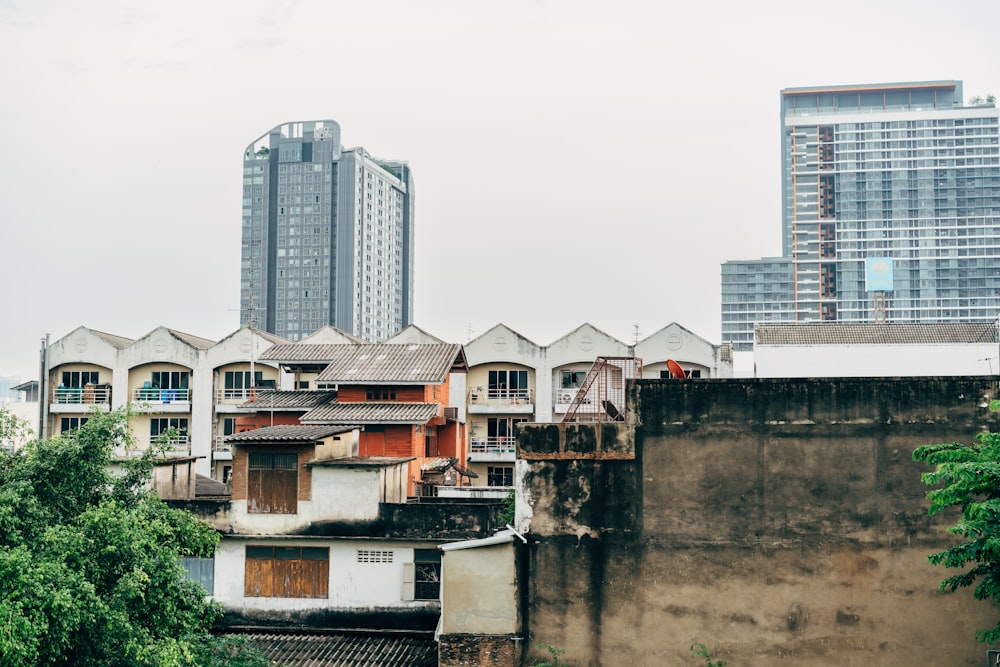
(177,446)
(493,445)
(154,395)
(221,445)
(81,395)
(491,395)
(236,395)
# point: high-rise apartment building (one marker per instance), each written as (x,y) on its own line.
(327,235)
(902,180)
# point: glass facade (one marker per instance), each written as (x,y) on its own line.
(902,172)
(327,236)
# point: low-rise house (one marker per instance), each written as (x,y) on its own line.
(397,394)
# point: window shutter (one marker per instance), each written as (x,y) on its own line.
(408,579)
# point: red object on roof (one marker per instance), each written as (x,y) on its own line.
(675,369)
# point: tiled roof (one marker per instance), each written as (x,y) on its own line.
(389,363)
(345,649)
(269,399)
(287,433)
(362,461)
(371,413)
(871,333)
(119,342)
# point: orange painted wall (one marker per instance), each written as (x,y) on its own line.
(261,419)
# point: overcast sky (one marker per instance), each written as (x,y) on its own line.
(574,161)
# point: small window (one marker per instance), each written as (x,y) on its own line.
(374,556)
(380,394)
(427,574)
(500,476)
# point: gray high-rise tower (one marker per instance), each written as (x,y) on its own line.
(327,235)
(890,211)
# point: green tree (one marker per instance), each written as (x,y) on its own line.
(12,428)
(969,476)
(90,571)
(979,100)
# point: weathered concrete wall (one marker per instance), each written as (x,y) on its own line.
(772,520)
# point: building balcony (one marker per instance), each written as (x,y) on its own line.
(80,400)
(163,400)
(493,449)
(221,450)
(177,446)
(491,492)
(500,401)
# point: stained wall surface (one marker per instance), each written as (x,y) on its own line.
(775,521)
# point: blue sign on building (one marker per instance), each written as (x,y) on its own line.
(878,274)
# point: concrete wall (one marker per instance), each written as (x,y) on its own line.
(479,591)
(772,520)
(776,361)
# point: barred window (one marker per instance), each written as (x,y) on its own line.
(374,556)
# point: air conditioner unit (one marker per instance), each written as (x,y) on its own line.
(566,398)
(451,413)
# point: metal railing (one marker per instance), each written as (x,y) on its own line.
(493,445)
(81,395)
(237,395)
(154,395)
(482,396)
(177,446)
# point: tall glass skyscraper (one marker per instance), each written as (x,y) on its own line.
(327,235)
(902,180)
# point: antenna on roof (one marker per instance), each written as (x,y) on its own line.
(635,334)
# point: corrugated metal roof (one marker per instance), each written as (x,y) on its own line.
(345,650)
(371,413)
(287,433)
(872,333)
(304,352)
(382,363)
(362,461)
(119,342)
(206,486)
(389,363)
(269,399)
(192,340)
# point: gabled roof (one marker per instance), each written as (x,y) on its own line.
(390,363)
(501,327)
(412,334)
(371,413)
(270,399)
(273,338)
(344,649)
(119,342)
(584,327)
(193,341)
(874,333)
(330,335)
(290,433)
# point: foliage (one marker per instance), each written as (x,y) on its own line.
(507,514)
(90,571)
(699,650)
(554,653)
(969,476)
(979,100)
(12,428)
